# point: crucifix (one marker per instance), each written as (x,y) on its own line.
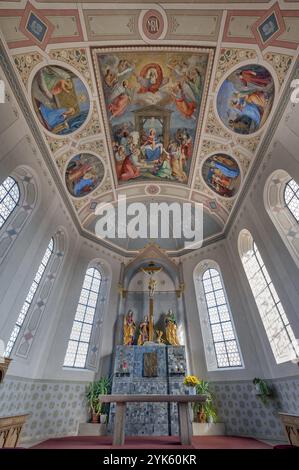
(151,269)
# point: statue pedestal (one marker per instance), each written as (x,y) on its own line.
(149,369)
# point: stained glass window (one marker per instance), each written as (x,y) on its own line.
(81,331)
(276,323)
(29,298)
(223,333)
(9,198)
(291,197)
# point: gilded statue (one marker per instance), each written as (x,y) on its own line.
(159,338)
(143,331)
(129,328)
(171,329)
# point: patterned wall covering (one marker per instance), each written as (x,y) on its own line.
(244,414)
(58,406)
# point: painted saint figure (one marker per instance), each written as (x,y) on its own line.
(129,329)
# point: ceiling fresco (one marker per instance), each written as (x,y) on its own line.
(154,103)
(171,102)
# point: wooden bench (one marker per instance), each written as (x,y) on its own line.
(291,426)
(10,429)
(121,401)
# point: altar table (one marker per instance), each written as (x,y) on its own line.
(121,401)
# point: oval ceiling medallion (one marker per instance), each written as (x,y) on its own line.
(245,99)
(83,174)
(222,174)
(60,99)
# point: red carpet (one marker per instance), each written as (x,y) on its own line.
(152,442)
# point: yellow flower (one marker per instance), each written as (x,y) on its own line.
(191,381)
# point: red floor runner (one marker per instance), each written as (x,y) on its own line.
(152,442)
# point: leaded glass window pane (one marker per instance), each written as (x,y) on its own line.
(224,339)
(9,198)
(274,318)
(29,298)
(291,197)
(81,332)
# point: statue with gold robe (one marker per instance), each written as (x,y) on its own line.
(143,331)
(171,329)
(129,329)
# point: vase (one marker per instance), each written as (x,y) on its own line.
(190,391)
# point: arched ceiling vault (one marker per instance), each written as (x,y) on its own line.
(211,80)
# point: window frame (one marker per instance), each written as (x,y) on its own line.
(295,195)
(247,250)
(83,323)
(8,194)
(31,295)
(220,322)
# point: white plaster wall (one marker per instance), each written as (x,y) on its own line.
(255,347)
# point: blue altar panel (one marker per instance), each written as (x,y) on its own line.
(149,418)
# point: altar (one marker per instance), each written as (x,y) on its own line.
(149,370)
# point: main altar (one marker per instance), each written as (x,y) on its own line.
(150,361)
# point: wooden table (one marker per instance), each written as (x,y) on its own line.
(121,401)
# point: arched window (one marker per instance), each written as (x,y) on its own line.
(29,298)
(78,344)
(281,198)
(220,341)
(291,198)
(9,198)
(274,318)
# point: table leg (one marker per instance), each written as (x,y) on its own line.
(119,424)
(185,424)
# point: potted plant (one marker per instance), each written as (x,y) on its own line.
(191,381)
(94,390)
(263,390)
(205,412)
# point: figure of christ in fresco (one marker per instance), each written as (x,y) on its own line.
(151,78)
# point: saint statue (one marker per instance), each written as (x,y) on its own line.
(143,331)
(129,329)
(171,329)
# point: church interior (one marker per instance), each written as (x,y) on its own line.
(120,332)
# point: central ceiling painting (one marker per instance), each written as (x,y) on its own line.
(153,102)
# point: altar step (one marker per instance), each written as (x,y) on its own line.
(208,429)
